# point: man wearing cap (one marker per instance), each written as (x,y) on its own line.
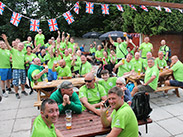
(91,94)
(66,98)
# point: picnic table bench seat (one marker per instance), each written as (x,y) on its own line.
(168,88)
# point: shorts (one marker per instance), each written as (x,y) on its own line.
(176,83)
(5,74)
(51,75)
(145,88)
(19,74)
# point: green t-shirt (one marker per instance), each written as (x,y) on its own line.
(63,46)
(92,50)
(5,58)
(85,68)
(43,59)
(145,47)
(161,63)
(29,58)
(68,60)
(77,63)
(40,129)
(93,95)
(47,45)
(110,83)
(125,119)
(35,72)
(127,67)
(99,54)
(121,47)
(153,71)
(17,59)
(71,45)
(177,71)
(39,39)
(63,72)
(137,64)
(165,49)
(27,43)
(108,60)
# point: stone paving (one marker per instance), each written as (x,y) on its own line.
(167,115)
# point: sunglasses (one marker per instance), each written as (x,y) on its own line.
(89,81)
(119,84)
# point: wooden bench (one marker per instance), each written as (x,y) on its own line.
(37,104)
(168,88)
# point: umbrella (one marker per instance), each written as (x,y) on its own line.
(93,35)
(114,35)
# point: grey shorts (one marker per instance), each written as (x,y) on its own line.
(145,88)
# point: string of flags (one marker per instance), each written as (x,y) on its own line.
(52,23)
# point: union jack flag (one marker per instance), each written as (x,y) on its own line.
(89,7)
(1,8)
(167,9)
(105,8)
(76,7)
(144,8)
(133,7)
(68,17)
(158,8)
(120,8)
(34,25)
(52,23)
(181,10)
(15,18)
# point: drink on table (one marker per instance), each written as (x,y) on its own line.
(167,67)
(161,69)
(68,119)
(123,60)
(138,71)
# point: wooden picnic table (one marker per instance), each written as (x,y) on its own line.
(49,87)
(86,125)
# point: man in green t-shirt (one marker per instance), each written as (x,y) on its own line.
(123,121)
(66,98)
(99,54)
(137,62)
(18,61)
(85,66)
(145,47)
(91,94)
(150,79)
(43,125)
(62,70)
(176,69)
(160,62)
(39,38)
(165,49)
(121,47)
(124,66)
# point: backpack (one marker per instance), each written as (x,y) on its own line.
(141,106)
(130,86)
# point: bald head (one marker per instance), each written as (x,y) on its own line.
(37,61)
(137,55)
(174,59)
(160,55)
(163,42)
(62,63)
(149,55)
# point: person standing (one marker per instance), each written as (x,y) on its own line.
(39,38)
(145,47)
(166,51)
(18,59)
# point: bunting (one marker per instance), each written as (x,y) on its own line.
(167,9)
(68,17)
(52,23)
(34,25)
(1,8)
(158,8)
(181,10)
(105,8)
(76,8)
(89,7)
(15,18)
(120,8)
(144,8)
(133,7)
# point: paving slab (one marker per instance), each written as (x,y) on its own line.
(20,124)
(6,127)
(21,134)
(172,125)
(175,109)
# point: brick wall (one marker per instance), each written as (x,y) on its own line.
(174,41)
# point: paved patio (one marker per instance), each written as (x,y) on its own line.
(167,115)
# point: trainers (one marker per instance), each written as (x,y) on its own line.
(5,95)
(11,92)
(0,98)
(17,96)
(25,93)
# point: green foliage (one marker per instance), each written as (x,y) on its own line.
(152,22)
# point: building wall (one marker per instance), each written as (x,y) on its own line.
(174,41)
